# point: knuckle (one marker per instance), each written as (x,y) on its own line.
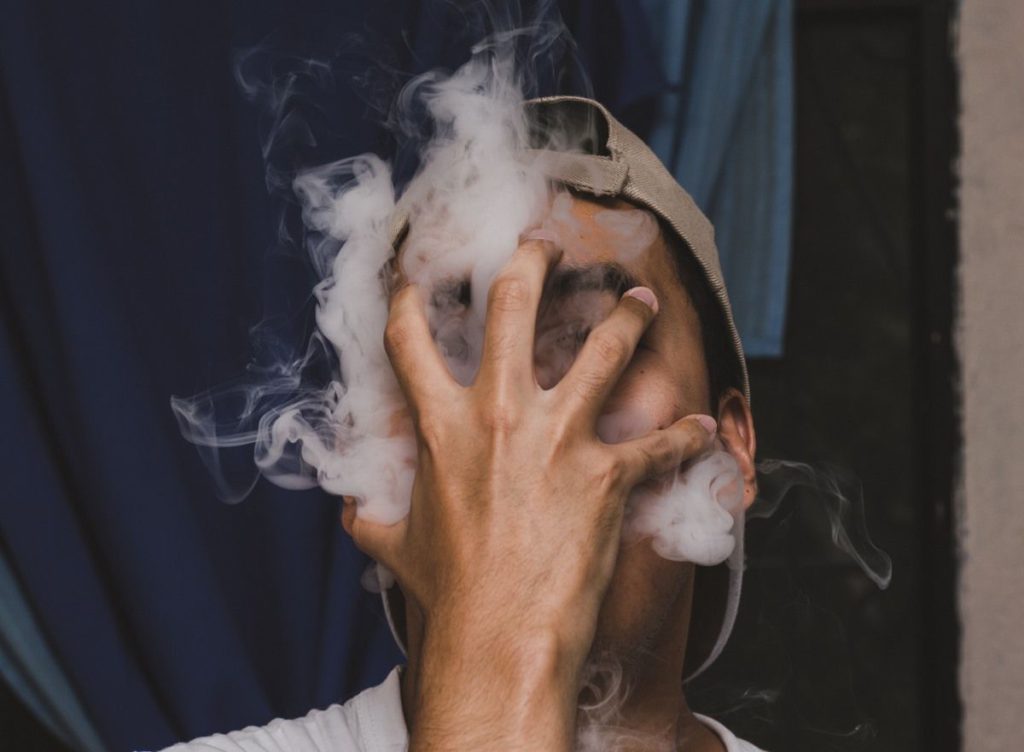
(536,253)
(660,449)
(430,431)
(691,438)
(588,386)
(612,347)
(695,440)
(562,429)
(646,460)
(612,471)
(509,293)
(397,335)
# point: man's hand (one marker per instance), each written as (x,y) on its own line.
(516,513)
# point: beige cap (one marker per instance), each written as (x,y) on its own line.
(624,166)
(619,164)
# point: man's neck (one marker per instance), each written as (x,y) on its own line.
(656,707)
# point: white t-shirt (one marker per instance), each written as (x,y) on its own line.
(372,721)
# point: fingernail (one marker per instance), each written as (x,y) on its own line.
(539,233)
(645,295)
(709,423)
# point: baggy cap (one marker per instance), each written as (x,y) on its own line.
(606,159)
(627,168)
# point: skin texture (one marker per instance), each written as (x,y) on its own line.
(511,561)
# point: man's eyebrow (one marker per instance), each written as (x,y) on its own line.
(608,276)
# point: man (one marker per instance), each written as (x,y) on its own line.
(513,578)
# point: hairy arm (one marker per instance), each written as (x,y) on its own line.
(515,518)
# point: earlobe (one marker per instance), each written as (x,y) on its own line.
(736,431)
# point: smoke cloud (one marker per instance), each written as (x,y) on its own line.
(482,183)
(837,495)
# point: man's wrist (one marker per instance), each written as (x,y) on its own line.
(475,687)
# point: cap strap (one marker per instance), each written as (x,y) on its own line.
(587,172)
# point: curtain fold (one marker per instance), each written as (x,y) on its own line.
(725,127)
(29,667)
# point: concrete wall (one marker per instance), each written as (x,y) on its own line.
(991,56)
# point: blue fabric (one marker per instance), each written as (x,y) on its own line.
(28,665)
(137,246)
(724,126)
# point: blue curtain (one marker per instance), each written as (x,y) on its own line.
(29,667)
(724,126)
(137,246)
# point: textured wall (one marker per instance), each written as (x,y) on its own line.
(992,350)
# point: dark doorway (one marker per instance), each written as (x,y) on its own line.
(821,658)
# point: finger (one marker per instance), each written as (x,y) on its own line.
(415,359)
(664,450)
(379,542)
(606,353)
(512,304)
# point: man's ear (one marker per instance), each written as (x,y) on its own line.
(736,431)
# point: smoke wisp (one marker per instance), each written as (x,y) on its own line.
(482,183)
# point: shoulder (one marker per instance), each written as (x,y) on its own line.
(372,721)
(729,740)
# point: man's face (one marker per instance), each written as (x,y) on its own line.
(666,380)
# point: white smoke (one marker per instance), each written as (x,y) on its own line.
(599,723)
(696,515)
(480,186)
